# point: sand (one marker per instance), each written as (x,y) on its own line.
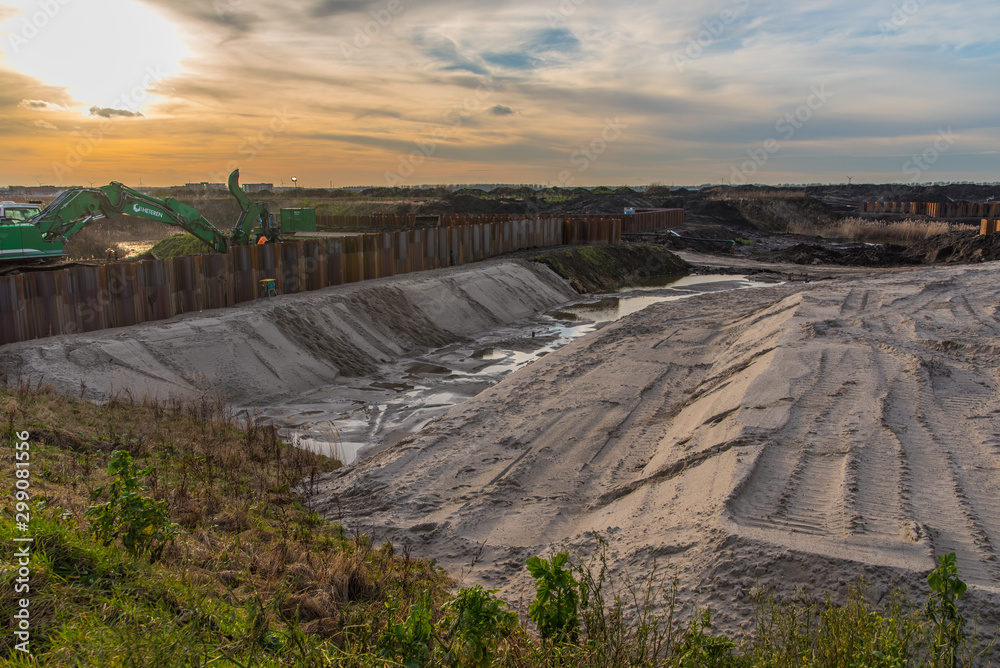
(790,436)
(798,435)
(266,351)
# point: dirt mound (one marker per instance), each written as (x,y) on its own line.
(856,255)
(592,204)
(896,192)
(715,211)
(957,248)
(604,268)
(791,436)
(463,202)
(966,247)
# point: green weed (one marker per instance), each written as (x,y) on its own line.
(557,598)
(141,523)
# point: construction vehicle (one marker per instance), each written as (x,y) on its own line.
(27,233)
(19,238)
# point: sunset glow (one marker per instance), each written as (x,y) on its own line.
(561,92)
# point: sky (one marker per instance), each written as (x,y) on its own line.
(550,92)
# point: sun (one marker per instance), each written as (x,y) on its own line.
(106,53)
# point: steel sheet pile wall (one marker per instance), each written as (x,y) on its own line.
(936,209)
(84,299)
(652,220)
(643,221)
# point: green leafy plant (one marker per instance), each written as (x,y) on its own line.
(556,599)
(475,623)
(699,649)
(410,641)
(141,523)
(942,609)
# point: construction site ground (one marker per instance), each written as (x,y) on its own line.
(842,421)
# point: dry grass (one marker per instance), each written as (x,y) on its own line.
(904,232)
(244,498)
(123,236)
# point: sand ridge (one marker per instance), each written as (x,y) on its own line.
(269,350)
(793,435)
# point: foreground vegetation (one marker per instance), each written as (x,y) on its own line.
(173,534)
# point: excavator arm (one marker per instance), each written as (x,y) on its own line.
(253,216)
(76,208)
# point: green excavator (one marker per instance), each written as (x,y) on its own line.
(28,232)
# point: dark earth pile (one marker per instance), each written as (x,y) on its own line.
(967,247)
(605,268)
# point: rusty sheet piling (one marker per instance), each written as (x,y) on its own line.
(88,298)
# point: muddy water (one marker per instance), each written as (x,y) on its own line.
(356,417)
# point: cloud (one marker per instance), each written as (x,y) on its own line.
(40,105)
(500,110)
(338,7)
(553,40)
(231,15)
(443,49)
(45,125)
(105,112)
(542,48)
(513,60)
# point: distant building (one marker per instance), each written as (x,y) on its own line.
(205,185)
(257,187)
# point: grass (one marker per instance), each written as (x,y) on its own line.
(182,244)
(254,569)
(257,578)
(904,232)
(603,268)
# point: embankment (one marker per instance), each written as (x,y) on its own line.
(268,350)
(603,268)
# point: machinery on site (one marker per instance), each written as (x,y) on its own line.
(28,232)
(19,238)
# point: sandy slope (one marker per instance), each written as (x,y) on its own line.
(270,350)
(794,435)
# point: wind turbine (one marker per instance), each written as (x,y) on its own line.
(849,180)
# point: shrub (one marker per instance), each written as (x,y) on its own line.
(142,523)
(475,623)
(556,599)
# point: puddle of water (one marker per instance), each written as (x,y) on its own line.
(351,420)
(423,368)
(609,309)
